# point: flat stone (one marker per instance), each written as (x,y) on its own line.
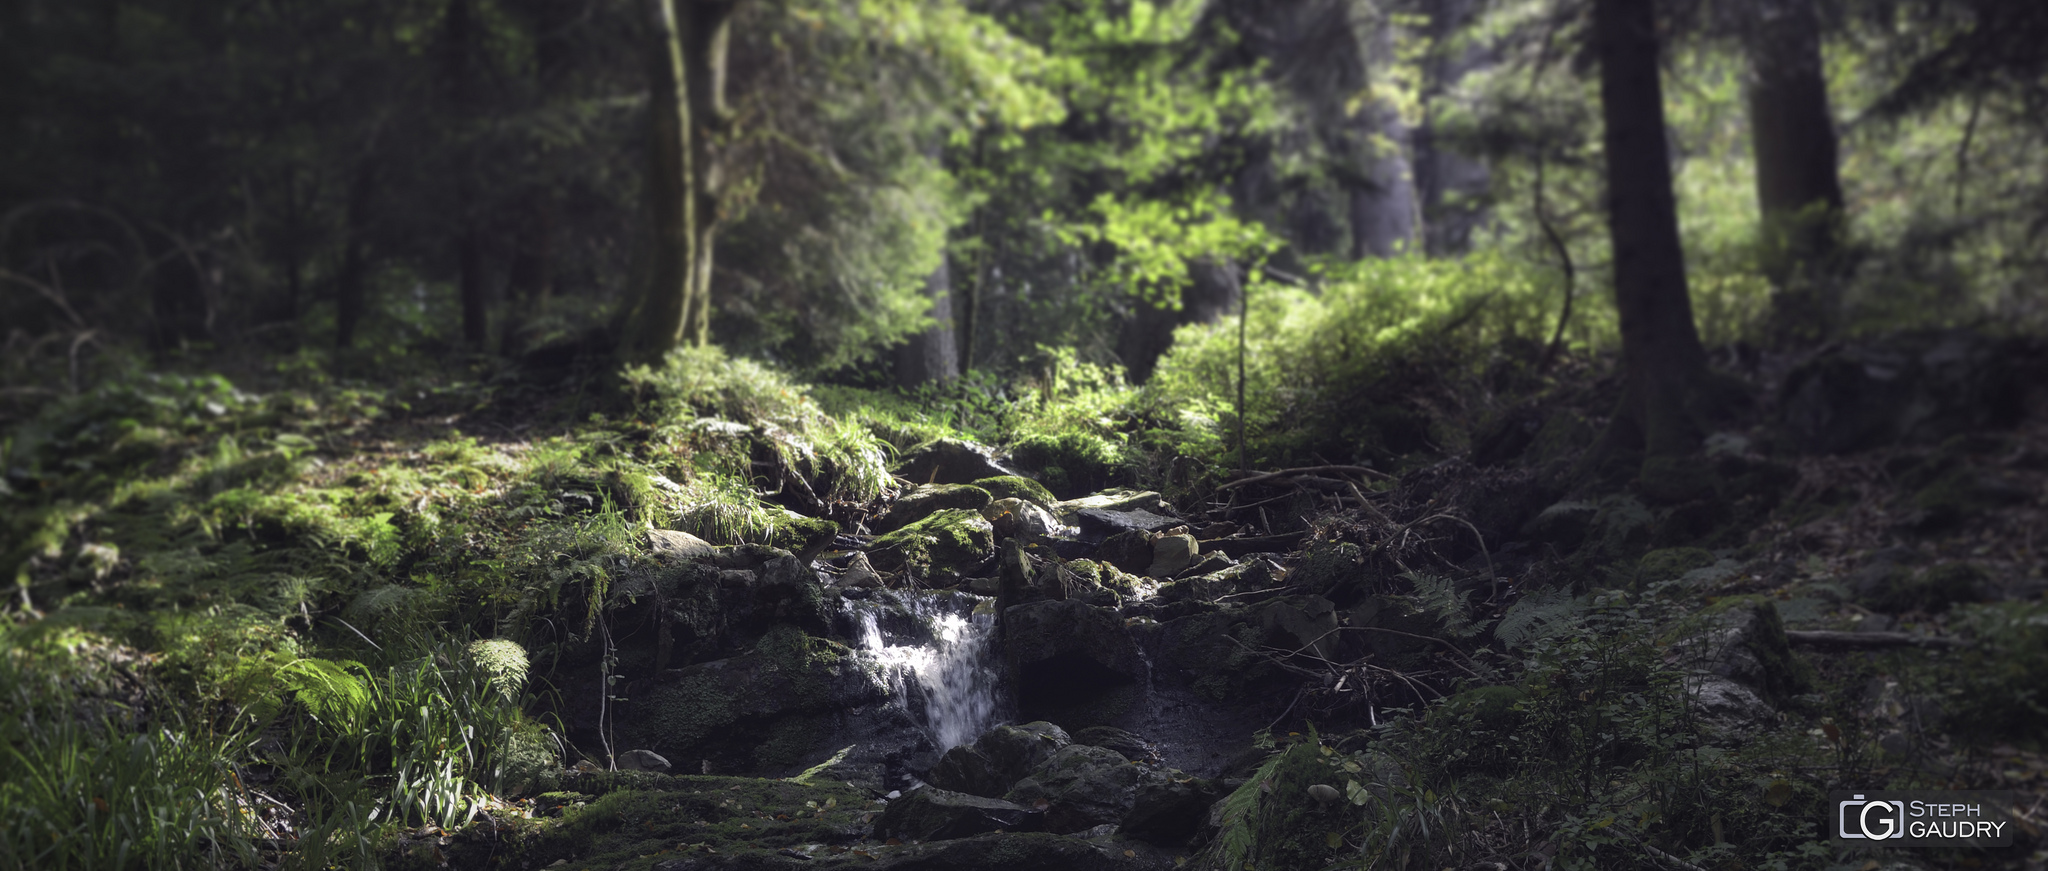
(642,760)
(1105,522)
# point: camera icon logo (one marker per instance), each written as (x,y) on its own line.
(1873,820)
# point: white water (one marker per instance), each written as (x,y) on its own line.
(951,673)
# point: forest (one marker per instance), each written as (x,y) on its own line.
(671,435)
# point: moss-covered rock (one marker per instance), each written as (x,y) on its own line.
(1932,590)
(1071,463)
(805,536)
(926,499)
(1017,487)
(1272,821)
(948,540)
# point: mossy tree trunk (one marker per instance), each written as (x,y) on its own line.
(1662,408)
(687,103)
(1798,186)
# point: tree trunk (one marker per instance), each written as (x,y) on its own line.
(1383,206)
(688,83)
(460,71)
(348,284)
(1798,189)
(932,356)
(1451,186)
(1213,292)
(1665,365)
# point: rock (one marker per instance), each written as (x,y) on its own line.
(860,573)
(673,546)
(949,461)
(1101,523)
(642,760)
(806,536)
(967,769)
(1741,665)
(1307,623)
(1167,810)
(1084,787)
(1129,550)
(1038,632)
(927,499)
(1670,563)
(1013,751)
(1172,554)
(1018,487)
(1914,387)
(933,814)
(949,540)
(1126,744)
(1112,500)
(1014,518)
(1929,591)
(1328,566)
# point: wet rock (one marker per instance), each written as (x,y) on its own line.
(1013,751)
(949,540)
(1069,630)
(967,769)
(1915,387)
(1126,744)
(1018,487)
(1172,554)
(933,814)
(949,461)
(673,546)
(926,499)
(860,573)
(1014,518)
(1082,787)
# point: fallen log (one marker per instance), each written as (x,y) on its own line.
(1868,640)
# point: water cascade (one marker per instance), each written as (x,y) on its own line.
(945,660)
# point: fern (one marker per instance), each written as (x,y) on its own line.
(331,690)
(1540,614)
(1439,597)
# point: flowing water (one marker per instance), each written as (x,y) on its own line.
(946,659)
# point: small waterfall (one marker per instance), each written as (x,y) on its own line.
(950,671)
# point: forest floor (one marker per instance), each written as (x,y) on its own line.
(361,624)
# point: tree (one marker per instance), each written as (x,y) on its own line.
(1798,188)
(1662,407)
(686,58)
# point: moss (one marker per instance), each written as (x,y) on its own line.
(684,713)
(804,536)
(1017,487)
(791,740)
(1932,591)
(1071,463)
(1327,566)
(949,539)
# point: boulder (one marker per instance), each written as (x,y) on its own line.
(1067,629)
(1101,523)
(1307,624)
(1168,810)
(968,770)
(1740,664)
(1014,751)
(1126,744)
(950,461)
(933,814)
(950,540)
(642,760)
(1081,787)
(926,499)
(1129,550)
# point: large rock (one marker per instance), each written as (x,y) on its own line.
(966,769)
(673,546)
(1915,387)
(926,499)
(933,814)
(950,461)
(948,541)
(1172,554)
(1168,810)
(1064,628)
(1015,750)
(1013,518)
(1081,787)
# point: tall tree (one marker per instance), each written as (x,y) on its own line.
(1798,188)
(687,97)
(1666,367)
(933,355)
